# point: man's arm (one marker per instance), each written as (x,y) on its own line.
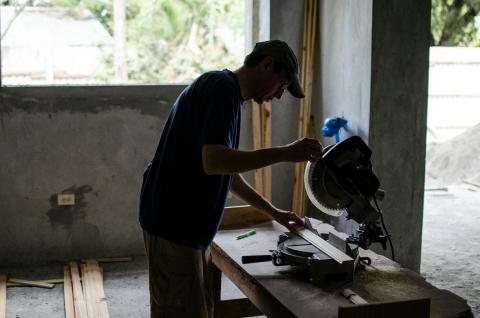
(220,159)
(244,191)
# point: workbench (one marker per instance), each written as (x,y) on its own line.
(284,291)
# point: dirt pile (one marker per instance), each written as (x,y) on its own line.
(455,160)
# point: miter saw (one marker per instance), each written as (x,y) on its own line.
(342,181)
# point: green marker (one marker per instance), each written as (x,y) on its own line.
(244,235)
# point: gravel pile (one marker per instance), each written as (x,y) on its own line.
(453,161)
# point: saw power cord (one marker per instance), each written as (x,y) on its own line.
(384,227)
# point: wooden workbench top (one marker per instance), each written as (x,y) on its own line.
(282,291)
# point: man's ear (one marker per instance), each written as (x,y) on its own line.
(267,64)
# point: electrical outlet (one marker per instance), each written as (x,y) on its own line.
(66,199)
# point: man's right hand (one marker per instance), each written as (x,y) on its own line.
(303,150)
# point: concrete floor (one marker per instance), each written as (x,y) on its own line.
(126,288)
(451,242)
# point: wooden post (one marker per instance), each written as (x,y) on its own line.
(257,143)
(262,138)
(267,143)
(306,79)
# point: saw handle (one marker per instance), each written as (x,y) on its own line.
(256,259)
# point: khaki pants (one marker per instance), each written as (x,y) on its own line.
(180,279)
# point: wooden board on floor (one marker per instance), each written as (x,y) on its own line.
(88,292)
(3,296)
(45,281)
(68,293)
(95,282)
(31,283)
(78,297)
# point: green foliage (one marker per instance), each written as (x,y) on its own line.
(171,40)
(174,41)
(453,23)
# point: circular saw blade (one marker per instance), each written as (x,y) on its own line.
(323,191)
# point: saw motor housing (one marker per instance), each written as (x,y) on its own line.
(343,181)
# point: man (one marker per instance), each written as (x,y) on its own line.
(195,165)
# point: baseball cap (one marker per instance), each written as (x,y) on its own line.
(283,54)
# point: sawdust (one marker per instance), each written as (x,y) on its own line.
(455,160)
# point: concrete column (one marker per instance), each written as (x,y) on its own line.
(257,22)
(398,117)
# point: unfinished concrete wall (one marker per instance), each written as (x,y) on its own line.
(398,114)
(342,75)
(342,81)
(92,142)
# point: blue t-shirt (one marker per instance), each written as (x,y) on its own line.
(178,201)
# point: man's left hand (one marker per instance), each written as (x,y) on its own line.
(288,219)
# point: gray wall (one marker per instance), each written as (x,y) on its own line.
(286,23)
(398,117)
(82,141)
(342,80)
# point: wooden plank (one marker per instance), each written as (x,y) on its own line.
(324,246)
(306,79)
(48,281)
(31,283)
(98,293)
(257,143)
(3,296)
(236,308)
(418,308)
(353,297)
(68,293)
(242,215)
(88,292)
(267,143)
(78,298)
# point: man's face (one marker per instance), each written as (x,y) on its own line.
(270,84)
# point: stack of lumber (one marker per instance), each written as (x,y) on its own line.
(306,79)
(83,290)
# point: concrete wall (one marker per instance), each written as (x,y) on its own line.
(286,23)
(342,77)
(81,141)
(398,115)
(344,56)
